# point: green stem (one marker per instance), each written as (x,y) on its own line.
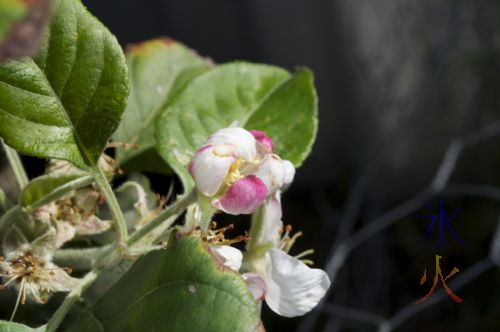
(17,165)
(176,208)
(61,191)
(79,259)
(70,299)
(109,195)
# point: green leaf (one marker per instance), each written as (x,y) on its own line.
(158,69)
(257,96)
(10,12)
(49,187)
(290,116)
(67,103)
(15,327)
(182,288)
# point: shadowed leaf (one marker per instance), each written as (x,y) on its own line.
(178,289)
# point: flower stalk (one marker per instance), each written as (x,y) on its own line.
(70,299)
(109,195)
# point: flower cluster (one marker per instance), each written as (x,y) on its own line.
(28,266)
(73,214)
(237,170)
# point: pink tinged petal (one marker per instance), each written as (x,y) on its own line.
(64,232)
(256,285)
(293,288)
(244,196)
(232,256)
(241,139)
(275,172)
(209,168)
(264,140)
(92,225)
(271,221)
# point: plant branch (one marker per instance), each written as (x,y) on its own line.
(17,165)
(354,314)
(70,299)
(109,195)
(458,282)
(438,183)
(79,259)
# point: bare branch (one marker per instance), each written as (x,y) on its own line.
(354,314)
(459,281)
(341,251)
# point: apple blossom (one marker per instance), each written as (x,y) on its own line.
(237,170)
(286,283)
(73,214)
(28,267)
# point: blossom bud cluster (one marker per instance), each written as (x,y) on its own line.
(238,171)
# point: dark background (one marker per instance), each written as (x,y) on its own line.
(398,81)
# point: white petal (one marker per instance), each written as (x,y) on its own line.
(289,173)
(209,169)
(271,221)
(45,245)
(256,285)
(233,256)
(243,140)
(65,232)
(293,288)
(57,280)
(275,172)
(92,225)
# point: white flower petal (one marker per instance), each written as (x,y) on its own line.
(57,280)
(65,232)
(293,288)
(233,256)
(209,169)
(275,172)
(289,173)
(256,285)
(243,140)
(45,245)
(92,225)
(271,221)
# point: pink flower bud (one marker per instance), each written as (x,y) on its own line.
(264,140)
(244,196)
